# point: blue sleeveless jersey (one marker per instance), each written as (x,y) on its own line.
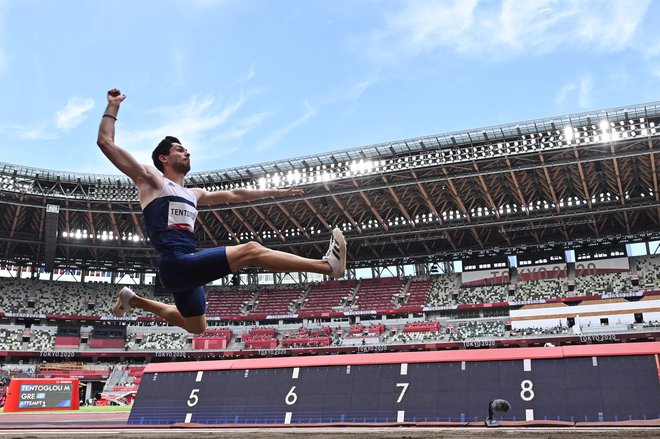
(170,219)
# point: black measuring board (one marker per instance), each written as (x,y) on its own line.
(576,389)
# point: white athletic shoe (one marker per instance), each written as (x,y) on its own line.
(121,307)
(336,255)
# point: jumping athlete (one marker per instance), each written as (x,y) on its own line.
(170,211)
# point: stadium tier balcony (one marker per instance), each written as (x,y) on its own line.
(276,302)
(538,331)
(64,298)
(416,337)
(162,341)
(104,296)
(67,341)
(418,332)
(11,338)
(308,338)
(540,289)
(606,283)
(13,295)
(228,303)
(418,292)
(423,326)
(648,270)
(482,294)
(460,331)
(34,296)
(261,338)
(442,290)
(213,339)
(378,293)
(651,324)
(360,329)
(327,295)
(42,338)
(361,335)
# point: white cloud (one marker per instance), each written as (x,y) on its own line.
(242,127)
(281,132)
(211,130)
(584,91)
(564,93)
(230,141)
(37,132)
(578,91)
(355,92)
(195,115)
(66,119)
(176,76)
(422,26)
(192,121)
(508,28)
(352,94)
(248,76)
(74,113)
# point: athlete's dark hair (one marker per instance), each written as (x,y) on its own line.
(163,148)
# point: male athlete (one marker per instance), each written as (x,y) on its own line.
(169,213)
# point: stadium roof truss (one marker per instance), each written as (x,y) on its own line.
(566,180)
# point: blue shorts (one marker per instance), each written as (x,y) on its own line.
(185,275)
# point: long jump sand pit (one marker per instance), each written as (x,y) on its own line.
(113,425)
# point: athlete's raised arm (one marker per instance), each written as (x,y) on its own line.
(210,198)
(125,162)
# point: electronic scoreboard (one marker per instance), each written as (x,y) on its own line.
(28,394)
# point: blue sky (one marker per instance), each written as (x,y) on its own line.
(249,81)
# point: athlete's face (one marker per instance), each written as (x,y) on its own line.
(179,158)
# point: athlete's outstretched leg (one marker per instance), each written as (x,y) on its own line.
(127,299)
(253,254)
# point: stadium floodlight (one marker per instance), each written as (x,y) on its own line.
(568,133)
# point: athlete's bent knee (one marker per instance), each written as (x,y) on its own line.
(252,250)
(196,327)
(244,255)
(253,247)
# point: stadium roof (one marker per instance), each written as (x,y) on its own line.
(558,181)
